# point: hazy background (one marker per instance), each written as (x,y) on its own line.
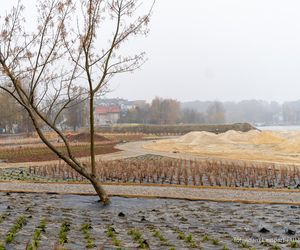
(216,49)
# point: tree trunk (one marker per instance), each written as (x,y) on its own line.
(92,134)
(100,190)
(75,165)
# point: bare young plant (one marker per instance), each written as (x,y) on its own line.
(47,69)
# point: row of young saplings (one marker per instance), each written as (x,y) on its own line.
(182,172)
(65,227)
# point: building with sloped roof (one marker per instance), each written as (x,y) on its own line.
(107,115)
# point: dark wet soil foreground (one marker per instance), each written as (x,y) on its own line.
(79,222)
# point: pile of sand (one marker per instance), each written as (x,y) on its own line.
(253,145)
(231,137)
(194,138)
(268,137)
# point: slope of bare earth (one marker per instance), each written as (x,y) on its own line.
(253,145)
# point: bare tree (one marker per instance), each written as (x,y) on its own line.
(216,113)
(10,112)
(41,69)
(75,115)
(164,111)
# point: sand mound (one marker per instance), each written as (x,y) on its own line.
(201,138)
(291,146)
(268,137)
(232,136)
(254,145)
(194,138)
(85,137)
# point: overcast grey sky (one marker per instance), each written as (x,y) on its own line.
(216,49)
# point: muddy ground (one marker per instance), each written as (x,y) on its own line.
(145,223)
(40,154)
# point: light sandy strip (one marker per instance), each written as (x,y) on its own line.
(134,149)
(189,193)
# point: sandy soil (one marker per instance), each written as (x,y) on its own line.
(270,146)
(241,195)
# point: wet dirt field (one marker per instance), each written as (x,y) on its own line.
(79,222)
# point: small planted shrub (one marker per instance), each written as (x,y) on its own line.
(138,238)
(187,239)
(21,221)
(215,242)
(37,236)
(265,243)
(86,230)
(275,247)
(181,236)
(157,234)
(205,238)
(2,217)
(111,233)
(63,233)
(244,244)
(293,244)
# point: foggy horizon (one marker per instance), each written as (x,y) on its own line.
(215,50)
(111,96)
(235,51)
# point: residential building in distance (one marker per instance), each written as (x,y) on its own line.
(109,111)
(107,115)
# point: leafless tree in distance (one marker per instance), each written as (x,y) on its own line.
(45,69)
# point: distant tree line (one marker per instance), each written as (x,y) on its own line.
(13,119)
(169,111)
(12,116)
(255,111)
(160,111)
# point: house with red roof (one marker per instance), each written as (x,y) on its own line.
(107,115)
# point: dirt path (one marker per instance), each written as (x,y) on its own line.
(140,147)
(190,193)
(130,149)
